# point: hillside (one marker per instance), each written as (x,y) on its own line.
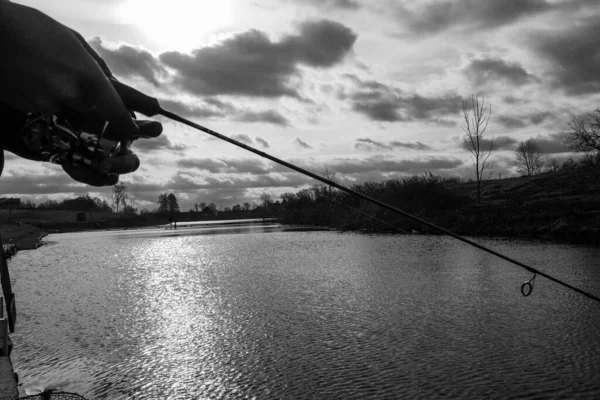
(561,205)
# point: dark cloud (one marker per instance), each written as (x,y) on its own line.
(300,145)
(242,137)
(439,16)
(535,118)
(160,143)
(370,145)
(251,64)
(217,108)
(513,100)
(500,143)
(385,164)
(225,165)
(385,103)
(487,69)
(127,60)
(409,145)
(343,4)
(189,111)
(262,142)
(510,122)
(269,116)
(573,55)
(553,143)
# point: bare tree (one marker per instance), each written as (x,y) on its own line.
(528,158)
(119,195)
(476,118)
(554,165)
(584,136)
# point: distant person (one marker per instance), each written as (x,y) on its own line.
(47,67)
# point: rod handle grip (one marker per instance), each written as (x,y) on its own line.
(136,100)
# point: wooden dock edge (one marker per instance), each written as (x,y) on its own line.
(8,379)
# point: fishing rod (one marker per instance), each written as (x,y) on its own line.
(149,106)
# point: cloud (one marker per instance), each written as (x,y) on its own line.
(370,145)
(481,71)
(218,108)
(128,60)
(522,121)
(385,103)
(225,165)
(242,137)
(262,142)
(573,55)
(409,145)
(385,164)
(160,143)
(189,111)
(500,143)
(269,116)
(343,4)
(439,16)
(251,64)
(300,145)
(553,143)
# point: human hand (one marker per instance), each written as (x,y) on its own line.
(47,67)
(104,172)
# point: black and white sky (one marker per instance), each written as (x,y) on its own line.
(369,89)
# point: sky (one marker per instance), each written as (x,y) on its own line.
(370,90)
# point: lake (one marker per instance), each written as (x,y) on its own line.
(272,312)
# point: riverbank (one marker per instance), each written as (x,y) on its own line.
(24,236)
(561,206)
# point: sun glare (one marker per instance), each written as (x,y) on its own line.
(178,24)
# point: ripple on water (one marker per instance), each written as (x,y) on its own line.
(292,315)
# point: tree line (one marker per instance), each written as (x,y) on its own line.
(81,203)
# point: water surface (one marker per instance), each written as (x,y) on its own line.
(269,313)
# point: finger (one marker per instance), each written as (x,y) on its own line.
(124,164)
(148,129)
(145,129)
(1,161)
(90,177)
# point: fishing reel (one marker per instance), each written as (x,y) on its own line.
(68,140)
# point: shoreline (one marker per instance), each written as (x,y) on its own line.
(23,236)
(569,237)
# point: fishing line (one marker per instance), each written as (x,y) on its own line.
(176,117)
(150,107)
